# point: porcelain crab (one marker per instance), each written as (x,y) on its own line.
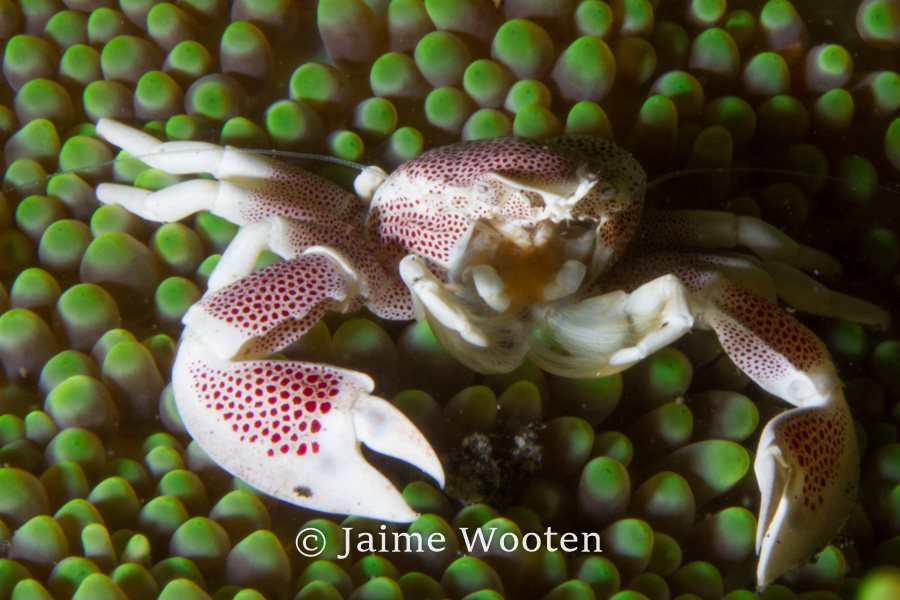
(510,248)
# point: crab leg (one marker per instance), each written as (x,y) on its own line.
(261,186)
(288,238)
(714,229)
(805,293)
(230,201)
(291,429)
(770,279)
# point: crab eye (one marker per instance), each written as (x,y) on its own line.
(482,190)
(588,173)
(607,190)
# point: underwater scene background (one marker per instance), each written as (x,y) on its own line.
(103,494)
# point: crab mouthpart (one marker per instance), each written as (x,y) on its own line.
(567,281)
(490,286)
(511,267)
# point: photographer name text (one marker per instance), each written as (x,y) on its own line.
(311,542)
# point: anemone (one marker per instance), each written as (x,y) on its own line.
(102,494)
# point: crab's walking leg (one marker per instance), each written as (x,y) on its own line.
(233,202)
(771,279)
(291,429)
(714,229)
(805,293)
(250,186)
(290,238)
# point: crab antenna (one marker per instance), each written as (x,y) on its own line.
(895,189)
(320,157)
(300,155)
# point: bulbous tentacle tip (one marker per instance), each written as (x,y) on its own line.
(808,472)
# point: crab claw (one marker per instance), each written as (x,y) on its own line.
(294,430)
(807,464)
(808,471)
